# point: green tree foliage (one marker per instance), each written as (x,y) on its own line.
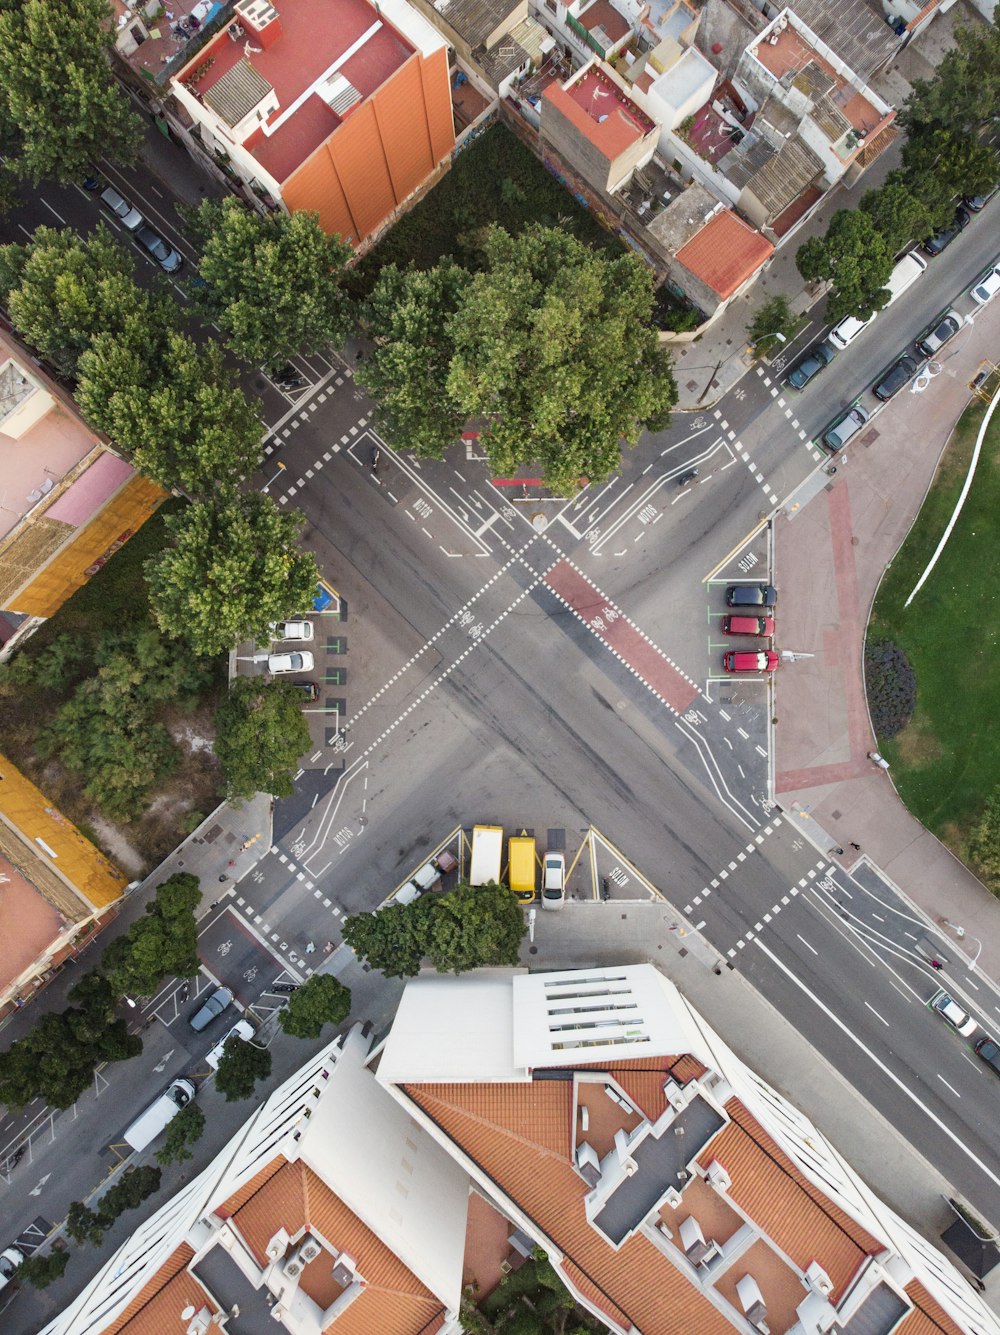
(465,929)
(408,317)
(855,258)
(127,1193)
(186,1128)
(554,346)
(321,1001)
(173,405)
(773,318)
(282,265)
(83,1225)
(260,735)
(897,213)
(41,1271)
(984,842)
(61,290)
(241,1065)
(940,163)
(56,88)
(164,942)
(232,569)
(965,91)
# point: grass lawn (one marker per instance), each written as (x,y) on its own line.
(497,180)
(946,762)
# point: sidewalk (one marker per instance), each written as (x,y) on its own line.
(829,558)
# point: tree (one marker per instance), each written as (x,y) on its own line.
(241,1065)
(466,929)
(260,735)
(271,283)
(83,1225)
(773,318)
(321,1001)
(127,1193)
(554,346)
(163,942)
(41,1271)
(965,91)
(896,213)
(61,290)
(942,163)
(984,841)
(408,316)
(56,88)
(179,413)
(231,571)
(186,1128)
(855,258)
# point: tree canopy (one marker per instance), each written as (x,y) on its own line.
(163,942)
(182,1132)
(260,734)
(232,569)
(550,344)
(56,89)
(856,258)
(941,163)
(768,321)
(319,1002)
(965,91)
(242,1064)
(897,213)
(272,283)
(465,929)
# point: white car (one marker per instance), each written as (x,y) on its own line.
(553,880)
(292,630)
(987,287)
(241,1029)
(10,1259)
(302,662)
(952,1013)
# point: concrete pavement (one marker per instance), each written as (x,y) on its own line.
(830,555)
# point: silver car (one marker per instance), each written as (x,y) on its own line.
(127,214)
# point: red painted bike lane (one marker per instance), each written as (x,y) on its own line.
(628,644)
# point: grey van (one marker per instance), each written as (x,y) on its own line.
(844,429)
(213,1006)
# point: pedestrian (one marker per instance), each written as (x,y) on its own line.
(223,878)
(935,964)
(839,852)
(856,847)
(214,904)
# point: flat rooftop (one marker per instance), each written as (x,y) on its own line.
(601,111)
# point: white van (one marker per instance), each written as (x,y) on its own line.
(148,1125)
(904,275)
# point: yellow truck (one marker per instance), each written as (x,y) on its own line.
(523,867)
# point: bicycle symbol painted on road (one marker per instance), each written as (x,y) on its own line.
(224,947)
(251,974)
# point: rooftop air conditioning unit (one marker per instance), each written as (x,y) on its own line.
(309,1249)
(292,1267)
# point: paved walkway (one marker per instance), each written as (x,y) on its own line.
(829,559)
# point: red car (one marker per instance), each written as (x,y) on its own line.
(748,626)
(760,660)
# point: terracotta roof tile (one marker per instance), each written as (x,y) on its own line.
(540,1111)
(643,1079)
(252,1185)
(929,1317)
(725,253)
(381,1312)
(175,1262)
(163,1311)
(636,1279)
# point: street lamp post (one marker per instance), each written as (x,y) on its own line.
(281,469)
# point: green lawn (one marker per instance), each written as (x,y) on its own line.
(946,762)
(496,179)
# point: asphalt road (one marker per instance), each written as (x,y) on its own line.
(505,658)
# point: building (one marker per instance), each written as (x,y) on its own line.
(593,123)
(591,1113)
(338,106)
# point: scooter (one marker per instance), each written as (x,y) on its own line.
(376,458)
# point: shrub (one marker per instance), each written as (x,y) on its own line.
(891,686)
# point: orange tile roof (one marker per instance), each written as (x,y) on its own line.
(928,1316)
(784,1204)
(249,1188)
(496,1133)
(174,1264)
(643,1078)
(725,253)
(601,113)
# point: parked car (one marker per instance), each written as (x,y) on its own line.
(292,630)
(751,595)
(10,1259)
(737,625)
(213,1006)
(278,663)
(896,378)
(986,287)
(242,1029)
(989,1051)
(553,880)
(166,257)
(942,240)
(687,476)
(759,660)
(126,213)
(976,203)
(836,437)
(951,1011)
(309,689)
(810,365)
(946,328)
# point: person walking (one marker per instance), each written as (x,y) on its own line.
(856,847)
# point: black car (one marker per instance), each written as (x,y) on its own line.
(166,257)
(898,375)
(989,1051)
(943,239)
(751,595)
(976,203)
(809,365)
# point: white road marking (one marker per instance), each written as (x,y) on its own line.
(876,1014)
(947,1086)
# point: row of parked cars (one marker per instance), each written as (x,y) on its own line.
(944,1005)
(755,619)
(132,220)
